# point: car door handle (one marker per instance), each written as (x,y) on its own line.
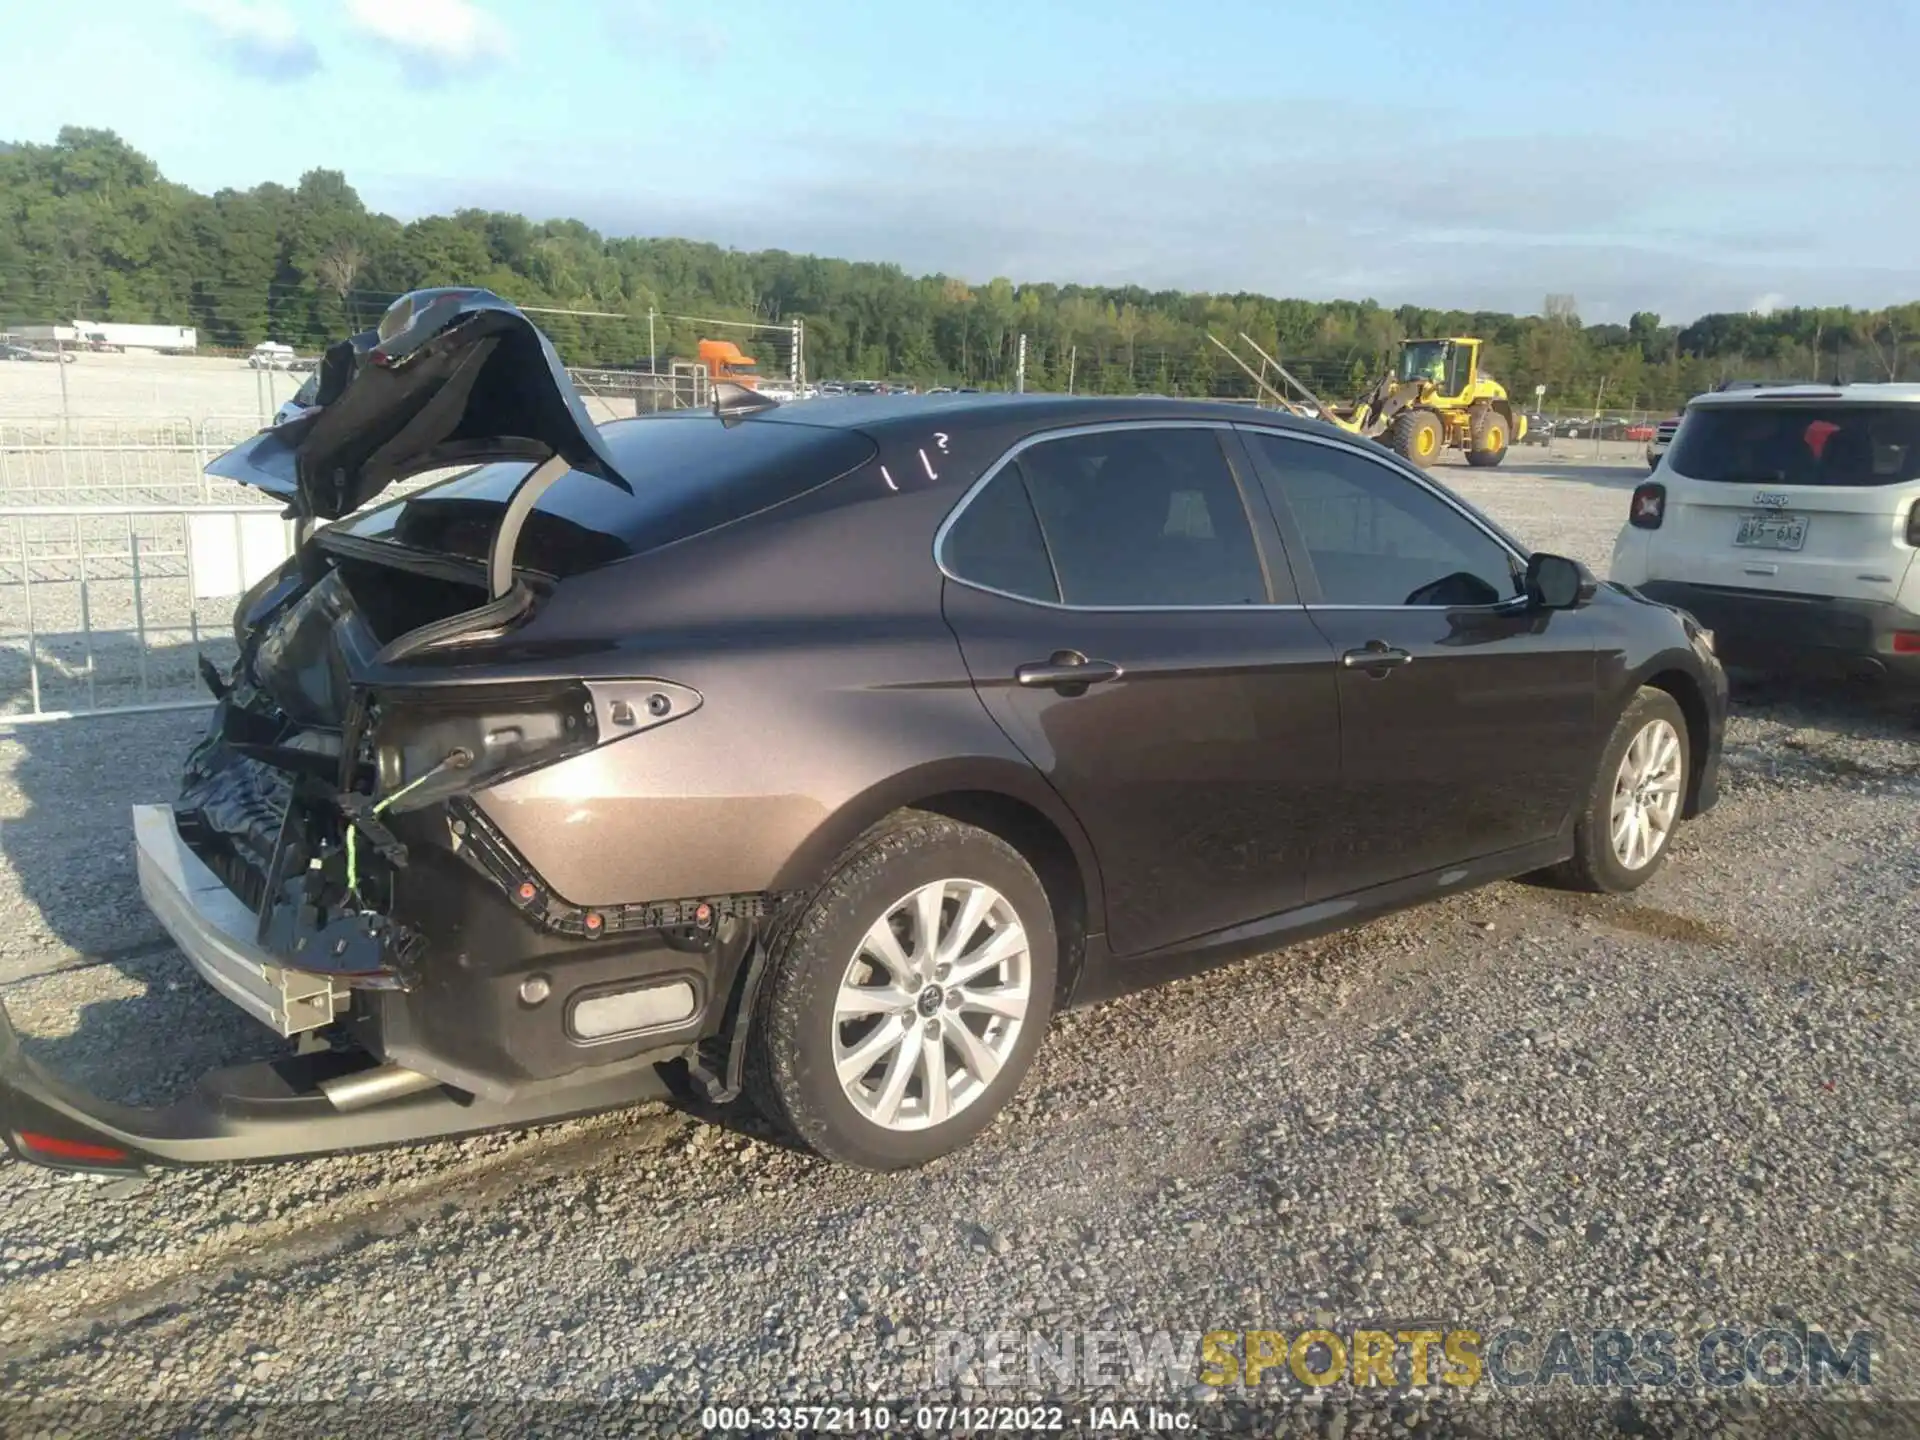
(1376,655)
(1066,669)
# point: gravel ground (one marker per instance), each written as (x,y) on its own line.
(1694,1106)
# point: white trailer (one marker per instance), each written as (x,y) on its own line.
(114,335)
(182,339)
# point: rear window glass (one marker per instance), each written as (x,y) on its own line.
(1799,444)
(689,472)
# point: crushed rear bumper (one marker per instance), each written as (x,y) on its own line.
(271,1110)
(283,1109)
(216,932)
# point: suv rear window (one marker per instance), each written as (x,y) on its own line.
(1799,444)
(690,473)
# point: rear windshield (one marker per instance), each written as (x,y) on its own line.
(689,473)
(1799,444)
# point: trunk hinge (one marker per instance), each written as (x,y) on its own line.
(519,505)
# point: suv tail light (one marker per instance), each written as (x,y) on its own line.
(1650,506)
(1913,524)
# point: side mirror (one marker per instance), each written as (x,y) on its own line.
(1556,583)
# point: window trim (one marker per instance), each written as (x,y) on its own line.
(1300,556)
(1039,437)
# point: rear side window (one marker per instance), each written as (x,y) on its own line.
(996,541)
(1799,444)
(1144,517)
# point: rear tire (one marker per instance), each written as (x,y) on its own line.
(1417,435)
(1488,439)
(1622,838)
(850,978)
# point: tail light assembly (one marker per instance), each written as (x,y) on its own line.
(1649,506)
(1913,525)
(430,748)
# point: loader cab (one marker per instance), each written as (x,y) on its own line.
(1451,366)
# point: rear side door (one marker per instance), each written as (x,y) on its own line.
(1804,497)
(1129,623)
(1467,718)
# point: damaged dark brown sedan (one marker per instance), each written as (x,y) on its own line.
(823,752)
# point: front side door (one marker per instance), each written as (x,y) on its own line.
(1118,619)
(1467,717)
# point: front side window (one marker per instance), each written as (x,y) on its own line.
(1377,538)
(1144,517)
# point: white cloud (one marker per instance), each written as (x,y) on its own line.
(1768,303)
(435,35)
(260,38)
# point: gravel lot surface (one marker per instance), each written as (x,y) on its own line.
(1522,1106)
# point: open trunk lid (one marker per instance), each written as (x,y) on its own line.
(448,377)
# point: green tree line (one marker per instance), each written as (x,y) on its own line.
(89,228)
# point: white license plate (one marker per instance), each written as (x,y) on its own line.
(1772,532)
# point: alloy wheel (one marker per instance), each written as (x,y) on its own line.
(931,1004)
(1646,795)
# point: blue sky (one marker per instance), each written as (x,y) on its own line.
(1683,156)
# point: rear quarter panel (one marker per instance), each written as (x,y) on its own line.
(833,693)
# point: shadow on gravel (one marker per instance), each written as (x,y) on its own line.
(1607,477)
(1873,709)
(98,993)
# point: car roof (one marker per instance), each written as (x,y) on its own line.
(1888,393)
(877,415)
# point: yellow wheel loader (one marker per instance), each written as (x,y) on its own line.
(1435,399)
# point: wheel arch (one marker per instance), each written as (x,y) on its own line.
(1004,798)
(1688,693)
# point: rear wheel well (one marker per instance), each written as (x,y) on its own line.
(1685,691)
(1042,846)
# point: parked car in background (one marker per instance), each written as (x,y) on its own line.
(825,752)
(1662,438)
(1787,520)
(1538,431)
(269,355)
(37,353)
(1640,430)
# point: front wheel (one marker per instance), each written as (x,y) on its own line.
(1622,838)
(903,1005)
(1417,435)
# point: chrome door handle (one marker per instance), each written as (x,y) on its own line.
(1376,655)
(1067,668)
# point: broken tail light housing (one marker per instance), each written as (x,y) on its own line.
(429,749)
(1649,506)
(432,746)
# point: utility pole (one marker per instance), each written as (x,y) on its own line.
(653,363)
(793,360)
(1073,357)
(1020,372)
(60,364)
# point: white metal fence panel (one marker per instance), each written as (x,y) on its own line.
(229,551)
(103,608)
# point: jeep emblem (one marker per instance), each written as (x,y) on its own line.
(1770,500)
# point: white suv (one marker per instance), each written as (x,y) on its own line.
(1786,521)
